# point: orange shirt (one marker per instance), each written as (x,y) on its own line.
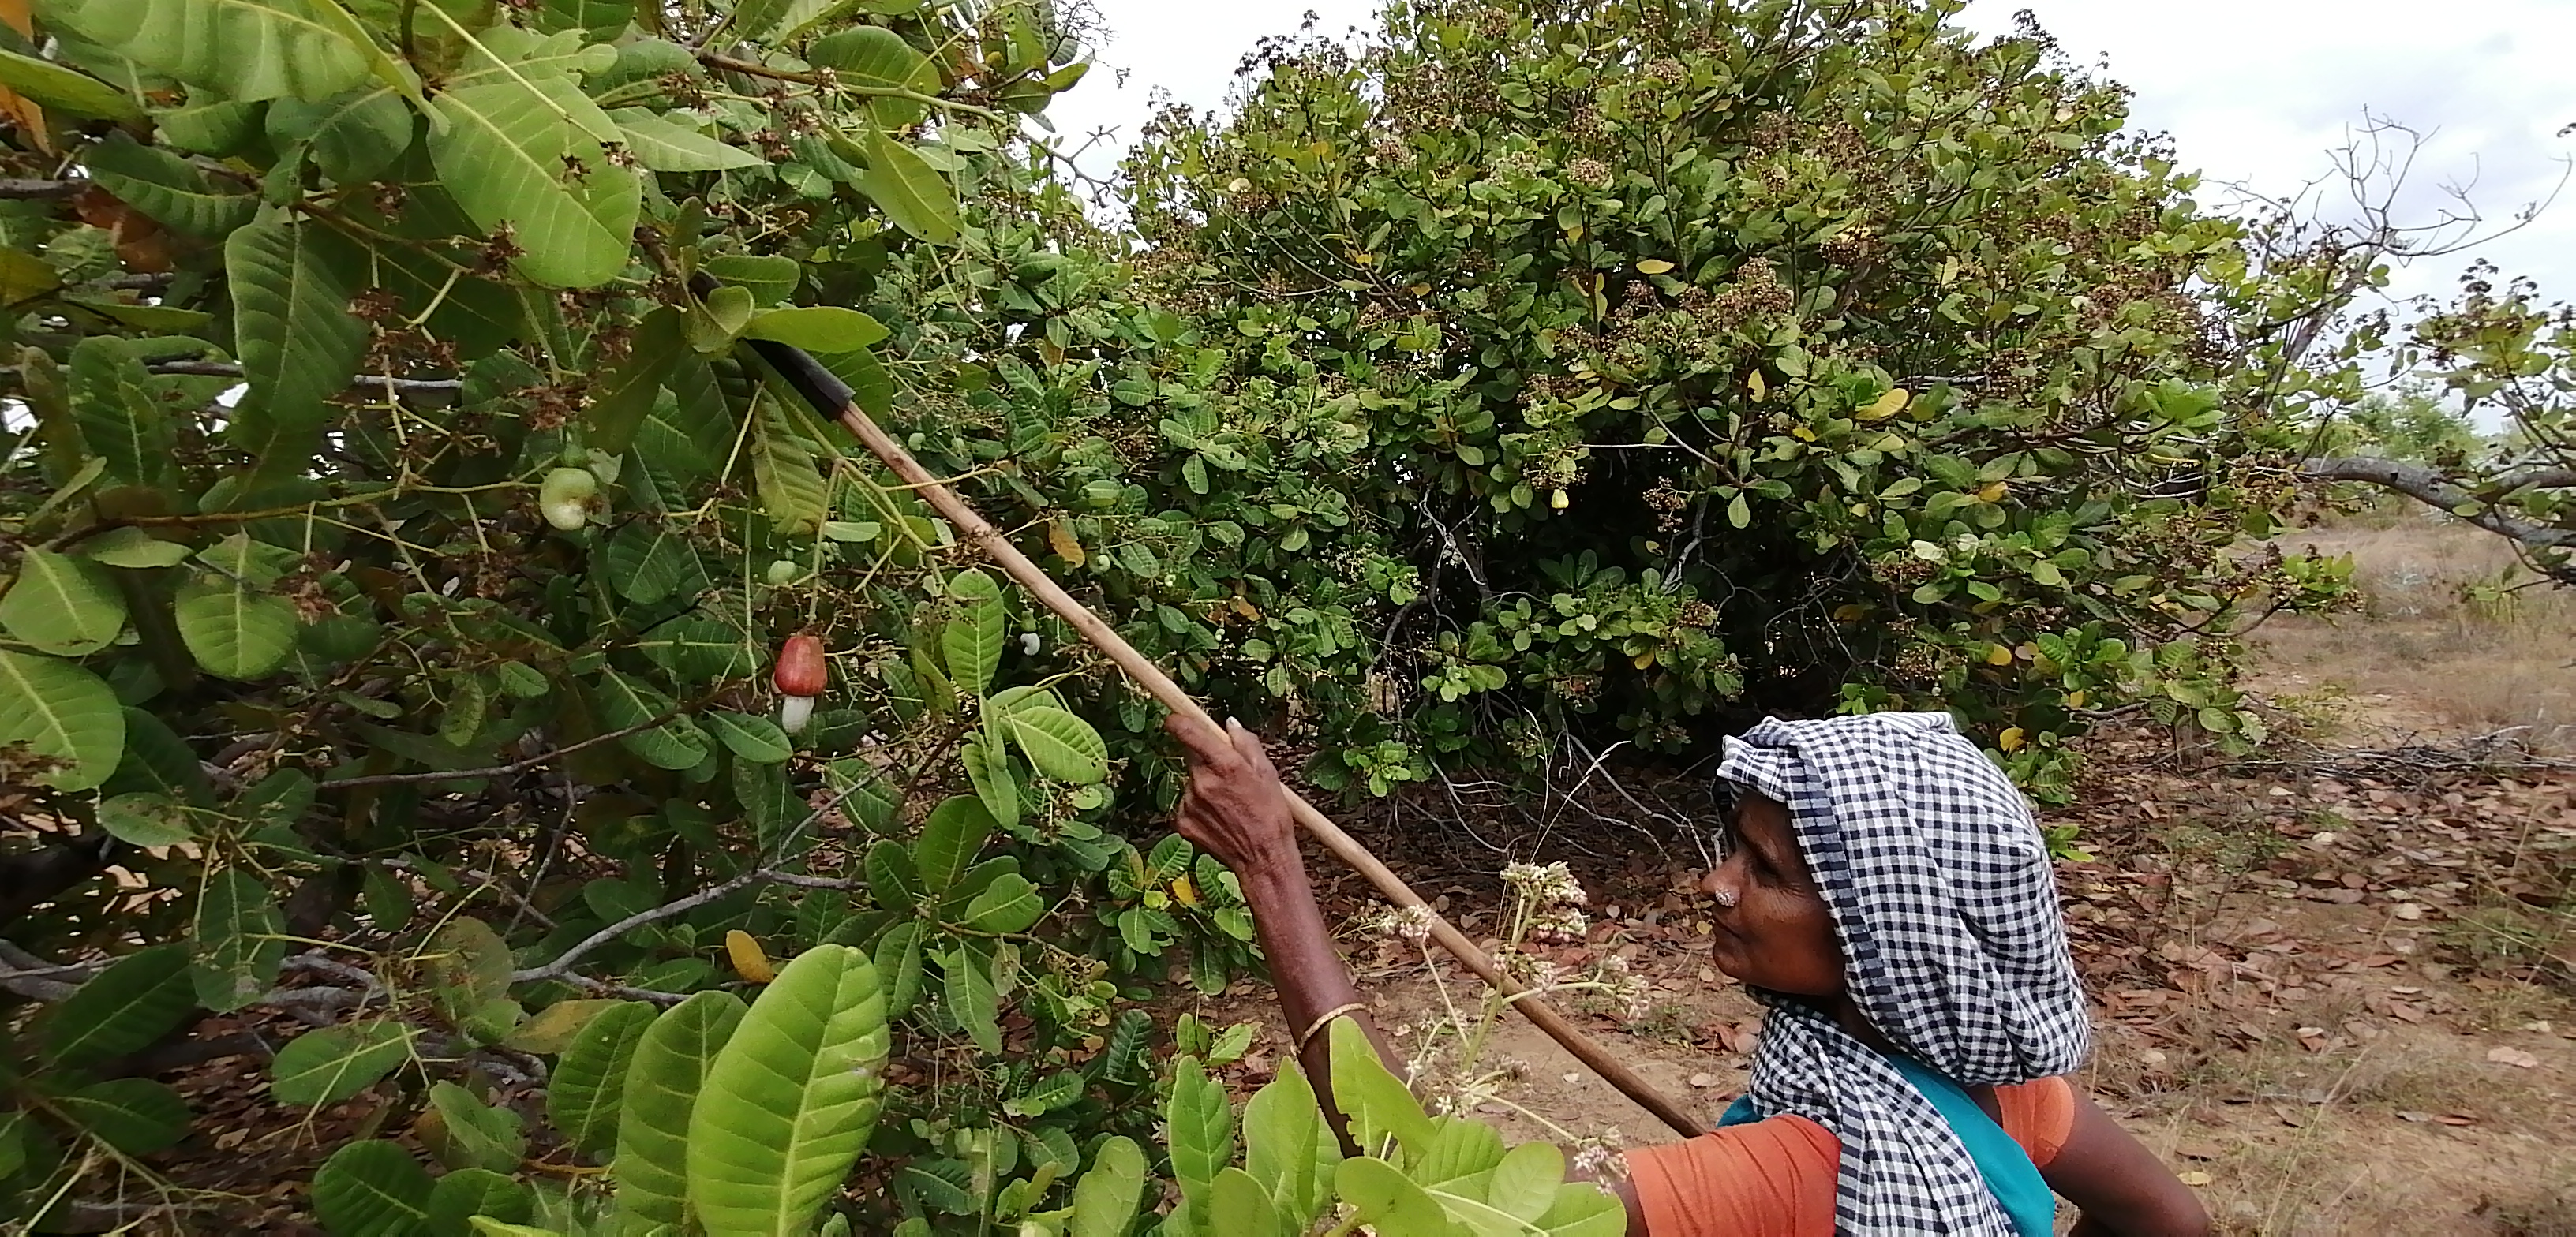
(1775,1177)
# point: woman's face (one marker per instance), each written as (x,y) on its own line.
(1773,930)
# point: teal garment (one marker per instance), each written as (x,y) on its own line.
(2016,1182)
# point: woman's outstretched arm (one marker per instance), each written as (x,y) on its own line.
(1236,810)
(2120,1186)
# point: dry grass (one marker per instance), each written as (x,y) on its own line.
(2434,648)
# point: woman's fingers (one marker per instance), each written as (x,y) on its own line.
(1247,748)
(1203,747)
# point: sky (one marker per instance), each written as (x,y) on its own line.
(2254,93)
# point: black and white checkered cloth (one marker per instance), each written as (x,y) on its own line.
(1954,947)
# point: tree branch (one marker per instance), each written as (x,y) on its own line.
(19,190)
(2429,486)
(225,369)
(515,766)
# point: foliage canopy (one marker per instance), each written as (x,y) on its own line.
(401,537)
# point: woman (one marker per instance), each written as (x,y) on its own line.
(1886,893)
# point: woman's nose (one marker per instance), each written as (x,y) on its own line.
(1721,883)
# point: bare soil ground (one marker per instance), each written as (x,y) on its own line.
(2337,992)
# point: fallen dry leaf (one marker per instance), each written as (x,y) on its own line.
(2194,1178)
(2514,1057)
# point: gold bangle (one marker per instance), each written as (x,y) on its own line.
(1347,1007)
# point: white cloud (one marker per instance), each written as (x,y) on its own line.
(2253,91)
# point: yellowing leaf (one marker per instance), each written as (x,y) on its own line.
(1849,613)
(1999,656)
(2010,740)
(1803,434)
(1245,608)
(1559,501)
(2076,699)
(1887,405)
(1994,493)
(1060,538)
(748,960)
(1653,266)
(1183,891)
(1759,387)
(1643,660)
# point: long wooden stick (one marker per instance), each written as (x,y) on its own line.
(829,395)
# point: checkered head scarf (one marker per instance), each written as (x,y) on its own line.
(1954,946)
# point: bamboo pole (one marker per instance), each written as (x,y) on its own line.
(829,395)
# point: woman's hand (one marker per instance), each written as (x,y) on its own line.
(1235,808)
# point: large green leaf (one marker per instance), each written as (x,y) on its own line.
(1287,1146)
(1388,1200)
(664,144)
(911,193)
(233,632)
(619,404)
(1583,1209)
(136,1116)
(1237,1204)
(466,1193)
(876,58)
(62,605)
(133,547)
(697,650)
(121,420)
(247,49)
(624,701)
(371,1188)
(971,640)
(1463,1148)
(147,819)
(950,840)
(663,1080)
(58,88)
(1525,1183)
(649,560)
(756,740)
(1059,745)
(520,147)
(783,470)
(898,959)
(815,328)
(330,1064)
(1202,1128)
(60,710)
(464,1132)
(791,1098)
(237,941)
(157,760)
(466,966)
(178,193)
(1009,904)
(988,770)
(1104,1200)
(121,1009)
(1376,1102)
(601,21)
(584,1091)
(299,344)
(354,136)
(968,988)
